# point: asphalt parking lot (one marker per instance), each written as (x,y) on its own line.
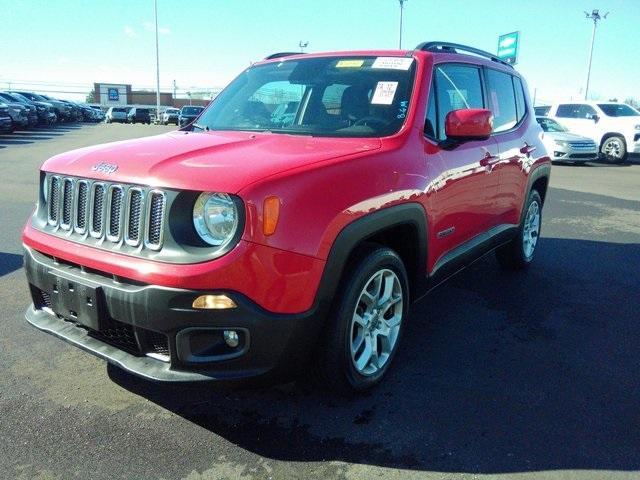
(532,375)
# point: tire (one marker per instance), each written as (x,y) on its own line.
(344,360)
(519,252)
(614,149)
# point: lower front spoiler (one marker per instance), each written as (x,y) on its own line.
(145,367)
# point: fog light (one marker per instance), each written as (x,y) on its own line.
(231,338)
(213,302)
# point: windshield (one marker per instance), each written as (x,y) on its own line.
(191,110)
(327,96)
(549,125)
(618,110)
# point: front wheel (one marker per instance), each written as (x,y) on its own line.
(365,326)
(519,252)
(614,149)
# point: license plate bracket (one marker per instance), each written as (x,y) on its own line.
(77,301)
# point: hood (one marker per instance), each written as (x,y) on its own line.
(567,137)
(209,161)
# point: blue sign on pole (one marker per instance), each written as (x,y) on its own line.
(114,95)
(508,46)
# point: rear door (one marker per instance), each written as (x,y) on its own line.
(465,185)
(515,142)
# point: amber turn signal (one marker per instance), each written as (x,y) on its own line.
(270,214)
(213,302)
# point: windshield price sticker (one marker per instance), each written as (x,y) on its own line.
(385,91)
(349,63)
(392,63)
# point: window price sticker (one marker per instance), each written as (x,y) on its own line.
(392,63)
(384,93)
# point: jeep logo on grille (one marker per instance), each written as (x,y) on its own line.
(105,168)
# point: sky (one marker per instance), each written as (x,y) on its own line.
(64,46)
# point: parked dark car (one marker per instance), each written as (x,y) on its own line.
(45,111)
(188,114)
(28,110)
(139,115)
(6,125)
(61,109)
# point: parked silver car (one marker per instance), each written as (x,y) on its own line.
(564,146)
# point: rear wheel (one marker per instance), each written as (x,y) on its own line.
(365,326)
(614,149)
(519,252)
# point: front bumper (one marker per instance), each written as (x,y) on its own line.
(567,154)
(154,332)
(5,124)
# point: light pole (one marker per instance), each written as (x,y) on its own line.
(596,17)
(302,45)
(155,11)
(400,33)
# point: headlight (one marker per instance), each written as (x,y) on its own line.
(17,110)
(215,218)
(637,127)
(562,143)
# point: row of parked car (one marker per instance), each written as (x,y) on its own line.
(21,109)
(180,117)
(582,131)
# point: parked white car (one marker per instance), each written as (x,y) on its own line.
(615,127)
(116,114)
(564,146)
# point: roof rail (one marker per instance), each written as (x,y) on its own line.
(282,54)
(449,47)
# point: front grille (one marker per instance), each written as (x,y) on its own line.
(67,203)
(118,334)
(583,155)
(54,200)
(107,211)
(97,210)
(156,214)
(582,145)
(158,343)
(116,194)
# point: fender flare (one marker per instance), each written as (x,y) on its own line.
(360,230)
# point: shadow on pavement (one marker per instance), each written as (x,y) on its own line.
(497,373)
(9,262)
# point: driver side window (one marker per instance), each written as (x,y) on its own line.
(457,87)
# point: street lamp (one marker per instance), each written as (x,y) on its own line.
(155,11)
(400,33)
(302,45)
(596,17)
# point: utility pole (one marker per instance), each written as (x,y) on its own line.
(175,89)
(155,10)
(400,32)
(596,17)
(303,45)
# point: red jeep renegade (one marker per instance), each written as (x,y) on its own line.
(291,225)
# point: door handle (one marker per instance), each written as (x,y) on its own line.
(527,149)
(489,160)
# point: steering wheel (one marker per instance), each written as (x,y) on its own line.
(370,121)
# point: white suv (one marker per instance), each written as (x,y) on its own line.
(615,127)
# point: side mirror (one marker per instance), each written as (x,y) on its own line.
(469,124)
(595,118)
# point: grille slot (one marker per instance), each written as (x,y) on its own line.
(67,203)
(106,211)
(135,207)
(155,217)
(82,197)
(158,343)
(116,196)
(54,200)
(97,210)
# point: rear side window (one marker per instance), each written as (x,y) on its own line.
(575,110)
(457,87)
(503,100)
(521,106)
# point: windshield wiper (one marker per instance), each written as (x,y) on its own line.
(204,128)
